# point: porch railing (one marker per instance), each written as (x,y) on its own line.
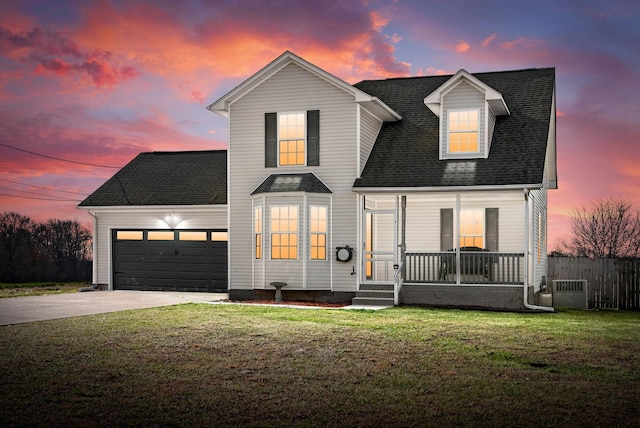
(379,266)
(476,267)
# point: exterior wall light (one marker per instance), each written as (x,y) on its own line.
(172,220)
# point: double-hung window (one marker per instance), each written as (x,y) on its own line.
(472,228)
(318,232)
(257,228)
(284,232)
(463,128)
(291,139)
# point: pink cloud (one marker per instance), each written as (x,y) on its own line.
(462,47)
(513,43)
(486,42)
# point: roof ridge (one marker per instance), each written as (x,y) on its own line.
(451,75)
(178,152)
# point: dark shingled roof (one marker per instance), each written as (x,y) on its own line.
(406,152)
(166,178)
(292,183)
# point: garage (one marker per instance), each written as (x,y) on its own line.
(170,260)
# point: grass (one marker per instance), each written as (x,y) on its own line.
(239,365)
(38,288)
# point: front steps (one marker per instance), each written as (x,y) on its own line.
(374,295)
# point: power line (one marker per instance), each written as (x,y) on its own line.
(41,187)
(58,159)
(41,199)
(26,191)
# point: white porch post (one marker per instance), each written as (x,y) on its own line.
(456,236)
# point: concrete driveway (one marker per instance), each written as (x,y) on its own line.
(17,310)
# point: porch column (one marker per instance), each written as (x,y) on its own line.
(403,232)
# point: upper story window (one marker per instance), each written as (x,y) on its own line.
(291,139)
(463,128)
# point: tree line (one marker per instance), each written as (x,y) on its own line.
(55,250)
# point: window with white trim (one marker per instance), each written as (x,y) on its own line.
(284,232)
(257,231)
(318,232)
(291,139)
(463,126)
(472,228)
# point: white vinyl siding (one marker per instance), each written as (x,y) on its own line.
(145,218)
(291,89)
(423,215)
(539,236)
(463,97)
(369,129)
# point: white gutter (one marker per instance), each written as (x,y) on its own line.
(525,287)
(153,208)
(445,189)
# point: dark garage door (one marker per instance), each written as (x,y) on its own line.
(166,260)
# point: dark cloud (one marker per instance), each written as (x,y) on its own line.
(52,52)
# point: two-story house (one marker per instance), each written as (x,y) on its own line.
(424,190)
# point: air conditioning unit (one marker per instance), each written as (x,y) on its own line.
(570,293)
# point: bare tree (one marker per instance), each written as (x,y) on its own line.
(606,228)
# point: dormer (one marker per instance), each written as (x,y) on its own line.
(467,109)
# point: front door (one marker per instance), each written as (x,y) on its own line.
(380,244)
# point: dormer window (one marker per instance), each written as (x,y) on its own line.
(463,131)
(467,108)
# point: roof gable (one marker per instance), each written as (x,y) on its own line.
(166,178)
(491,96)
(373,104)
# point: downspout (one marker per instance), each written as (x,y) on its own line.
(525,287)
(94,265)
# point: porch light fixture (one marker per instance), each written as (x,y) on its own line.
(172,220)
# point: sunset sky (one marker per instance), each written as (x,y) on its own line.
(87,85)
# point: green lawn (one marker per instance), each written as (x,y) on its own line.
(39,288)
(239,365)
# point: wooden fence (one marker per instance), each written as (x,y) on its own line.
(611,283)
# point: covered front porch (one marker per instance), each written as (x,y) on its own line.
(453,249)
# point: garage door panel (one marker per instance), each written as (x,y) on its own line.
(130,264)
(195,270)
(160,284)
(159,265)
(170,265)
